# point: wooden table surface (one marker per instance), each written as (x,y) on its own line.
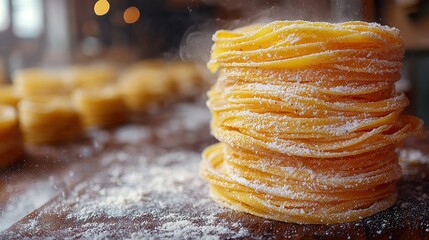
(140,181)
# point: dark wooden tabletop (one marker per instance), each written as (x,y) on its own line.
(140,181)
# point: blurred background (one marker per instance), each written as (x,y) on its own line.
(58,33)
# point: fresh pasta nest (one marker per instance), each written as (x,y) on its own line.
(48,119)
(100,107)
(145,87)
(11,146)
(308,120)
(53,104)
(148,84)
(92,76)
(9,95)
(39,82)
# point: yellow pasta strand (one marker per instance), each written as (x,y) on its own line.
(100,107)
(143,88)
(308,120)
(48,119)
(11,145)
(39,82)
(9,95)
(93,76)
(185,78)
(147,84)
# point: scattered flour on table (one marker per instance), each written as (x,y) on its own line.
(411,155)
(152,197)
(16,208)
(192,116)
(123,191)
(188,118)
(132,134)
(99,138)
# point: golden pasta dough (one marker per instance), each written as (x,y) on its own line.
(48,119)
(100,107)
(185,77)
(9,95)
(308,120)
(38,82)
(143,88)
(11,145)
(148,63)
(148,83)
(94,76)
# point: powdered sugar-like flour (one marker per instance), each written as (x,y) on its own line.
(150,194)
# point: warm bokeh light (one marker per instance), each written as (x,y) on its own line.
(131,15)
(101,7)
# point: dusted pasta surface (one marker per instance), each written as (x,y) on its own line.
(308,119)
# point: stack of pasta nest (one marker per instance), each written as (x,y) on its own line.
(100,106)
(148,84)
(308,119)
(46,114)
(48,119)
(11,147)
(56,105)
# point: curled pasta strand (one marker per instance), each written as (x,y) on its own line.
(308,119)
(11,144)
